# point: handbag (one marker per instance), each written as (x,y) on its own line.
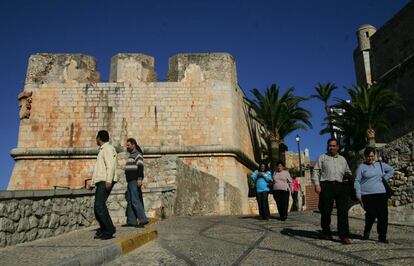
(252,187)
(388,190)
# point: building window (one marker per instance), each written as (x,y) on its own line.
(367,34)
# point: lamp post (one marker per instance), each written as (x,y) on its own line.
(300,163)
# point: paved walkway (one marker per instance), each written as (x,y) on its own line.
(224,240)
(76,248)
(247,241)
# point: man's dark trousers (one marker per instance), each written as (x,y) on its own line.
(101,211)
(334,191)
(135,208)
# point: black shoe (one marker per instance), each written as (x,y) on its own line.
(98,234)
(345,240)
(142,225)
(365,236)
(129,225)
(106,236)
(383,240)
(327,237)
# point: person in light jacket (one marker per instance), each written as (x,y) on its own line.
(262,177)
(282,184)
(370,191)
(104,179)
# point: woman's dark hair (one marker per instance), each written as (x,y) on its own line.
(368,150)
(103,135)
(265,164)
(280,162)
(134,142)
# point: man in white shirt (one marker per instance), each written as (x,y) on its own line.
(104,178)
(328,178)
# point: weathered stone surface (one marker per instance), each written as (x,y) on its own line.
(23,225)
(54,221)
(6,225)
(60,68)
(132,68)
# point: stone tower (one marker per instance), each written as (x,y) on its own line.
(199,115)
(362,58)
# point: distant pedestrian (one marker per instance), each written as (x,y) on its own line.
(134,173)
(328,177)
(104,178)
(282,184)
(262,177)
(295,193)
(370,191)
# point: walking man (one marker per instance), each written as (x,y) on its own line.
(328,179)
(104,178)
(134,173)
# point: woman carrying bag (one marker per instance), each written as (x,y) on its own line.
(262,177)
(370,191)
(282,184)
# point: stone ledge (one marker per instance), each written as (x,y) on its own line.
(43,193)
(149,151)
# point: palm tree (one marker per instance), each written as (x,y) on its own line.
(365,113)
(280,115)
(324,91)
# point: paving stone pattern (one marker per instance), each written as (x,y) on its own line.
(232,240)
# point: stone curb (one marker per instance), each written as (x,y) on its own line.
(104,254)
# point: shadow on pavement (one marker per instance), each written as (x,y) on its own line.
(301,233)
(311,234)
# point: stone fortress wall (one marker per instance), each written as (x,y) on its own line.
(386,56)
(199,115)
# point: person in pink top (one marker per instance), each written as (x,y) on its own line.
(282,184)
(295,192)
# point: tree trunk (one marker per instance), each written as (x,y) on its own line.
(275,153)
(371,137)
(328,112)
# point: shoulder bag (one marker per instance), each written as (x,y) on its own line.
(388,189)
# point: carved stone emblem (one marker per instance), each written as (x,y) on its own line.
(25,103)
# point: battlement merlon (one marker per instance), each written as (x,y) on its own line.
(202,67)
(132,68)
(61,68)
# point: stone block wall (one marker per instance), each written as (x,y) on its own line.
(170,188)
(199,193)
(198,115)
(29,215)
(400,155)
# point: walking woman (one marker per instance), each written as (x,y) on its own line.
(134,172)
(282,184)
(262,177)
(371,192)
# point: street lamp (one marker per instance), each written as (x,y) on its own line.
(300,163)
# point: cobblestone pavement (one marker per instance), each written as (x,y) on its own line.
(47,250)
(232,240)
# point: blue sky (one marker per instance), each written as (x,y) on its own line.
(290,43)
